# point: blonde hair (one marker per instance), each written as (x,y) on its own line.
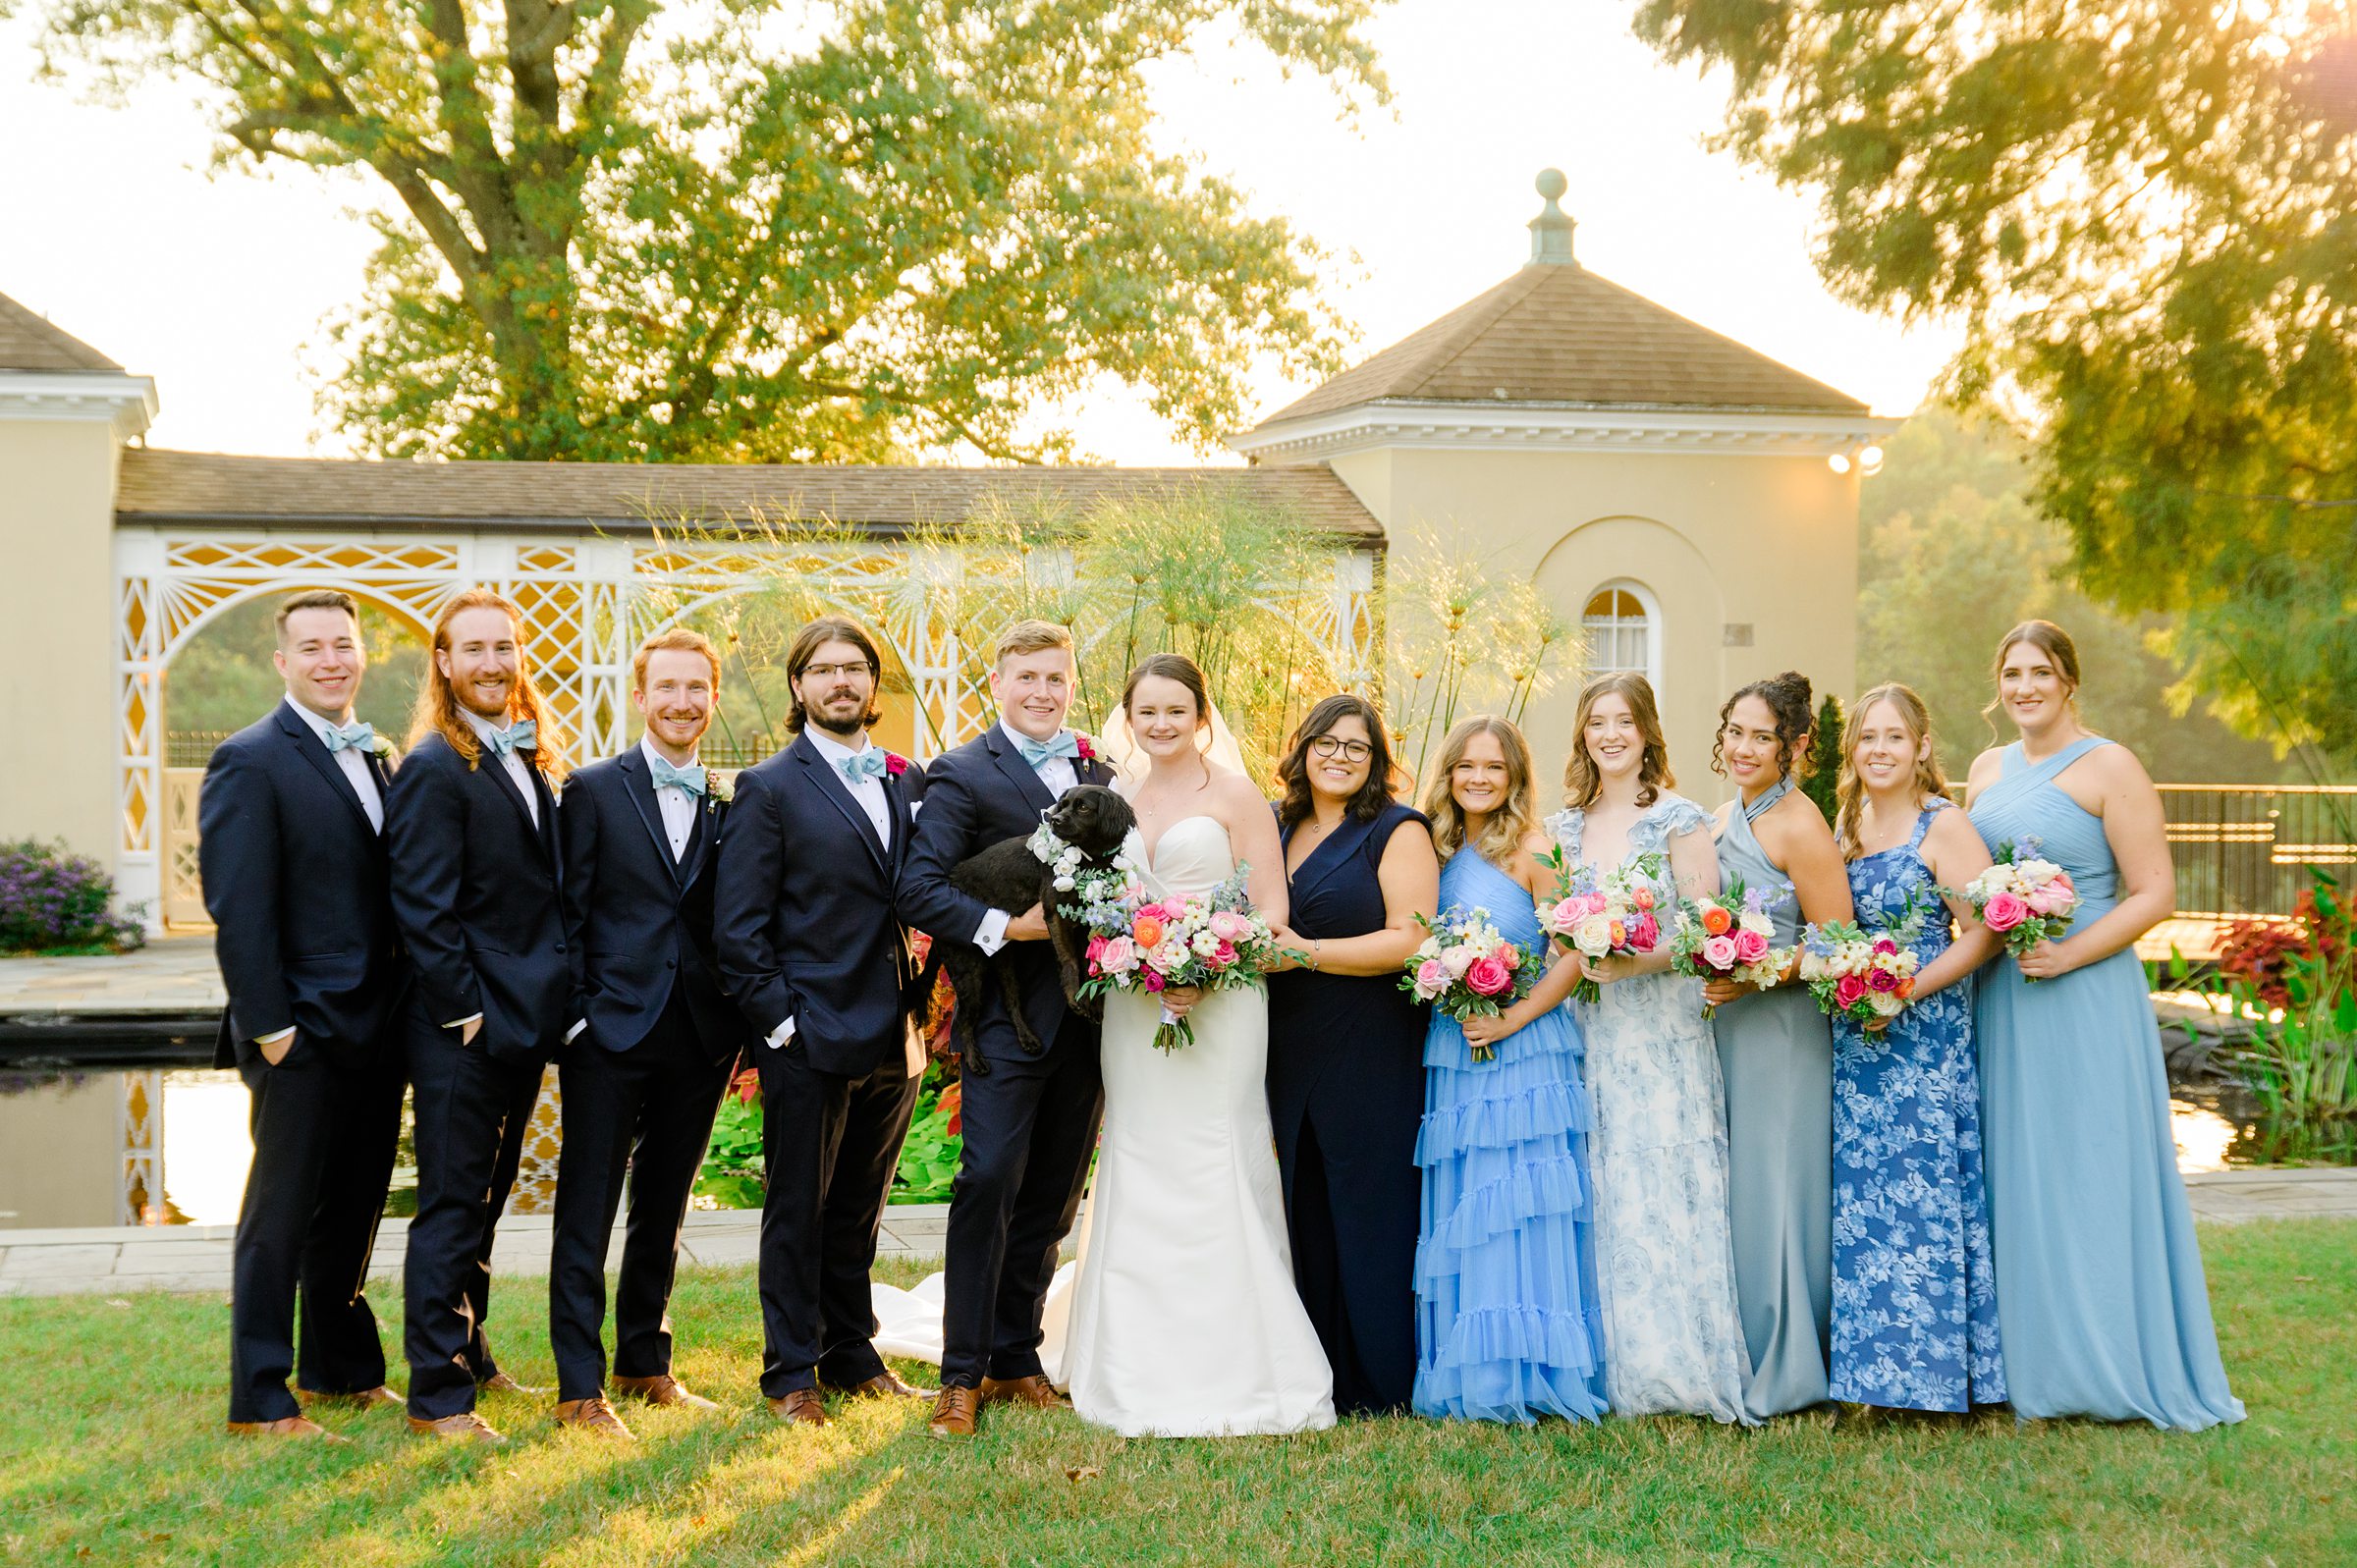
(677,637)
(1502,835)
(1850,793)
(1582,783)
(439,711)
(1030,636)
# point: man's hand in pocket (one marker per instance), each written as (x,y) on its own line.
(468,1030)
(275,1052)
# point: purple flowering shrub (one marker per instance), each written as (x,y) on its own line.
(51,899)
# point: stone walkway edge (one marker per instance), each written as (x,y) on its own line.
(195,1258)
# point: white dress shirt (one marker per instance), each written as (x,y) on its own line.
(1058,774)
(519,772)
(354,764)
(676,805)
(869,793)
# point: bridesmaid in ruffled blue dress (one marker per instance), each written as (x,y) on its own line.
(2099,1278)
(1506,1317)
(1915,1324)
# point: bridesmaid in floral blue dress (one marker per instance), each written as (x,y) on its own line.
(1915,1324)
(1506,1316)
(2099,1278)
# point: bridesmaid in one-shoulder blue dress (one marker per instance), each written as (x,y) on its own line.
(2101,1300)
(1508,1326)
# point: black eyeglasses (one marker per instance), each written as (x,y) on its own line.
(1348,750)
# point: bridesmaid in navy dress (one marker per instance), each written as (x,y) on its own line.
(2098,1280)
(1915,1324)
(1346,1048)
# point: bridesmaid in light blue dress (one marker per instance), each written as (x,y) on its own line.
(1506,1316)
(2100,1291)
(1915,1324)
(1673,1338)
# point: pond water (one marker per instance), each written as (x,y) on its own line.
(171,1148)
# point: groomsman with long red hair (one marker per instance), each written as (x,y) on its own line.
(471,825)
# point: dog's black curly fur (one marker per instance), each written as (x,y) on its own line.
(1007,876)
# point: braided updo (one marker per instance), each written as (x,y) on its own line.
(1789,698)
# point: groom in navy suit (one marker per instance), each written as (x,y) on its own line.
(812,949)
(290,823)
(1030,1123)
(642,1083)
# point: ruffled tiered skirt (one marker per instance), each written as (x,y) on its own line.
(1508,1324)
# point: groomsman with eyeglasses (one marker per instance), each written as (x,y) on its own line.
(291,821)
(812,948)
(643,1082)
(471,825)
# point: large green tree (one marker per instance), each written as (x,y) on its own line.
(2144,213)
(760,229)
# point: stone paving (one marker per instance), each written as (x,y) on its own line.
(171,975)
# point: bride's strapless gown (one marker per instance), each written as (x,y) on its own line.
(1184,1318)
(1180,1319)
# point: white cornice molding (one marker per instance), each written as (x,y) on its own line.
(125,401)
(1559,427)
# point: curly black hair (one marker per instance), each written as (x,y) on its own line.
(1789,698)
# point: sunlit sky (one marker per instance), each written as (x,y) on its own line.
(217,283)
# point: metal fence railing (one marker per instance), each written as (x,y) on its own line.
(2245,849)
(192,748)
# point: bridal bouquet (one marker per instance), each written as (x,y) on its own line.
(1469,969)
(1604,915)
(1865,977)
(1725,938)
(2023,898)
(1216,940)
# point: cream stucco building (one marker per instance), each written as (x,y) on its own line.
(1691,503)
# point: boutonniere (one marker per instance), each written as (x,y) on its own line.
(895,764)
(381,748)
(1088,747)
(719,791)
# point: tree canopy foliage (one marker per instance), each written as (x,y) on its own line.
(2144,212)
(761,230)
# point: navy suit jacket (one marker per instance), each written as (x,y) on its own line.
(803,912)
(476,890)
(975,796)
(640,920)
(295,879)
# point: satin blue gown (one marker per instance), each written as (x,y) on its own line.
(1508,1324)
(2100,1294)
(1915,1325)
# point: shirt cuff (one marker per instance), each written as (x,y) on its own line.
(274,1039)
(578,1025)
(782,1033)
(461,1023)
(990,935)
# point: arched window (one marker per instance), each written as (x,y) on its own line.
(1623,632)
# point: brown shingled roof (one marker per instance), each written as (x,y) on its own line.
(29,342)
(1562,333)
(212,487)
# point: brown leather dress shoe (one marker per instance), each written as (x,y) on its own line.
(285,1426)
(366,1399)
(886,1385)
(802,1408)
(663,1389)
(499,1383)
(594,1416)
(954,1413)
(465,1426)
(1034,1390)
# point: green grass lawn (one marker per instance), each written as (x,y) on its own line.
(110,1452)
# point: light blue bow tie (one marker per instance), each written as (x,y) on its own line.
(341,738)
(690,778)
(869,764)
(1065,745)
(522,735)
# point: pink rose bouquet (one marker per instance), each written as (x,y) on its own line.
(1469,969)
(1603,915)
(2022,897)
(1727,938)
(1217,942)
(1864,976)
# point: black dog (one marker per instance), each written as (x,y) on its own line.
(1007,876)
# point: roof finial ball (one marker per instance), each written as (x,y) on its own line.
(1551,230)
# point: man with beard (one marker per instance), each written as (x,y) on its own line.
(812,951)
(471,825)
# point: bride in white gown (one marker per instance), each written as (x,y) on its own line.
(1180,1318)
